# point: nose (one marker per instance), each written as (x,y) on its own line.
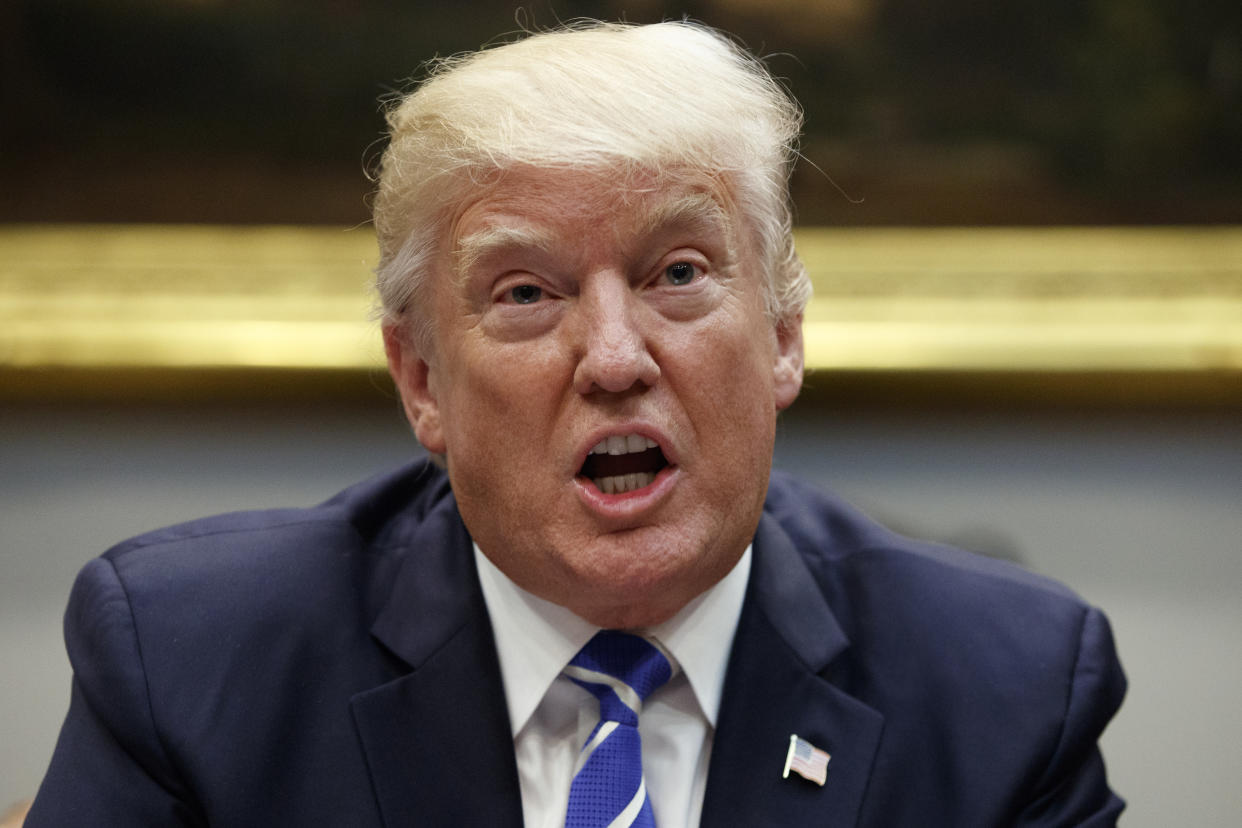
(614,352)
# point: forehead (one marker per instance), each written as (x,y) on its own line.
(535,208)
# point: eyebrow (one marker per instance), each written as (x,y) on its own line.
(490,241)
(693,210)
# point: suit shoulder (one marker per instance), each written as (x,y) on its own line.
(281,561)
(831,534)
(938,613)
(369,513)
(1000,678)
(974,634)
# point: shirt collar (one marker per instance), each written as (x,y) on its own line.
(536,638)
(700,636)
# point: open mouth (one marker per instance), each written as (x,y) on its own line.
(623,463)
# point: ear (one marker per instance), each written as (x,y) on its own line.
(787,369)
(415,380)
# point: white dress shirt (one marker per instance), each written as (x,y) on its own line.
(552,717)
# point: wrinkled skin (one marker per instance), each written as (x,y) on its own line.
(564,312)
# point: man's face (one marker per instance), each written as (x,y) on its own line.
(604,383)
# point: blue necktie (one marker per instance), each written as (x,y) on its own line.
(621,670)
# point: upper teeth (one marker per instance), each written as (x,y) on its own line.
(623,444)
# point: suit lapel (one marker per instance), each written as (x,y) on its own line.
(437,740)
(438,743)
(786,639)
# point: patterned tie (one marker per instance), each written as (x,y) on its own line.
(621,670)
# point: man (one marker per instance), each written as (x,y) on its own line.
(592,312)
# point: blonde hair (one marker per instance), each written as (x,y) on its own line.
(668,99)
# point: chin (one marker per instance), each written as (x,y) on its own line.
(621,586)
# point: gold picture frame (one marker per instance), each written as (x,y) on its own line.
(140,308)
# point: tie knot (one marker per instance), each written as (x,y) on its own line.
(621,670)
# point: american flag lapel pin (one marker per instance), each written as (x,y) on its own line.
(806,760)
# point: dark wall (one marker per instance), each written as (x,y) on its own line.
(1029,111)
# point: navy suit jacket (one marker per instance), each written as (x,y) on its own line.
(335,666)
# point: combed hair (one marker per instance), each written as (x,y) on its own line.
(666,100)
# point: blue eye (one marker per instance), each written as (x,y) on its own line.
(680,273)
(526,294)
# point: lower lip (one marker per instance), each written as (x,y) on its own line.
(627,504)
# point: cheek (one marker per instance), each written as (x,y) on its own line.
(737,354)
(497,389)
(725,382)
